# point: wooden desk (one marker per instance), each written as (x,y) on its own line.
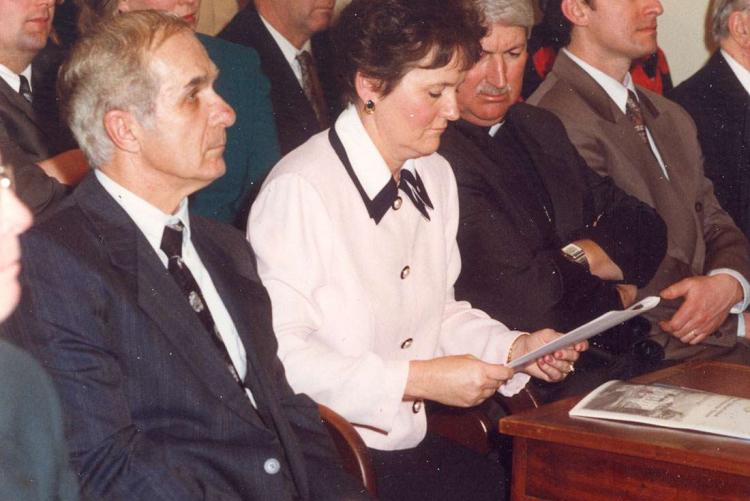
(557,457)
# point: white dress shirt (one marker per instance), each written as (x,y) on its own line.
(742,73)
(151,221)
(618,92)
(290,51)
(355,300)
(12,78)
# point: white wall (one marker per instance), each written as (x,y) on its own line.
(682,36)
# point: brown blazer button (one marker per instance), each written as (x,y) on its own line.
(416,406)
(698,207)
(397,203)
(407,343)
(405,272)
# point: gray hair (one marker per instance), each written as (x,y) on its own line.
(720,18)
(109,70)
(507,12)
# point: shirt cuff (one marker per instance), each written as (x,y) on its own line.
(742,305)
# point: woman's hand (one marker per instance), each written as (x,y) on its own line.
(553,367)
(460,381)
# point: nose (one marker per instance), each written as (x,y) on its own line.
(15,218)
(656,8)
(222,114)
(496,71)
(450,106)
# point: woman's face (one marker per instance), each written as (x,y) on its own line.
(14,220)
(408,122)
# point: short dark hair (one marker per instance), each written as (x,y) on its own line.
(385,39)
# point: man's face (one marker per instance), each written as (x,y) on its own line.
(186,9)
(183,146)
(308,16)
(623,29)
(494,83)
(24,28)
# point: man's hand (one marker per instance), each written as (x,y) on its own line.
(706,306)
(460,381)
(553,367)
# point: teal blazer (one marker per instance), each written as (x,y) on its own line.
(252,143)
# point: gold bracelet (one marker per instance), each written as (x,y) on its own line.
(513,345)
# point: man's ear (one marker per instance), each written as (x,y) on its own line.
(367,88)
(123,6)
(123,129)
(576,11)
(739,28)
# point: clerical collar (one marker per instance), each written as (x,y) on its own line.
(365,165)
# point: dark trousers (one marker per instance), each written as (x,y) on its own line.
(437,469)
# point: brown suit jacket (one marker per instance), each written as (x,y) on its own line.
(702,236)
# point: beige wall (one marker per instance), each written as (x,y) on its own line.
(682,30)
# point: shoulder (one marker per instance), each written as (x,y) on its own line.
(18,368)
(665,105)
(312,160)
(223,50)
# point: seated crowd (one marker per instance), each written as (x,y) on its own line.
(232,231)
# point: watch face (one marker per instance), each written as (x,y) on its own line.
(575,254)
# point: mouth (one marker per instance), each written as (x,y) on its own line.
(189,18)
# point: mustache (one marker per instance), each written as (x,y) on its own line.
(493,90)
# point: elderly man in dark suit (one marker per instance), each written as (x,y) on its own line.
(718,99)
(33,458)
(30,135)
(152,321)
(297,57)
(544,241)
(648,145)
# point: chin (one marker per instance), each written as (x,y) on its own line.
(9,299)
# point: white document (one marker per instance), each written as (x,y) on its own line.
(600,324)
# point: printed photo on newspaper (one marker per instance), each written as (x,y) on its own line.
(669,406)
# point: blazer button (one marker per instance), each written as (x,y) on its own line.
(272,466)
(397,203)
(405,272)
(416,406)
(407,343)
(698,207)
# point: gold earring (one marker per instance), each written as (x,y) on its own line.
(370,107)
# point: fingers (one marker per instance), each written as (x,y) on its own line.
(677,289)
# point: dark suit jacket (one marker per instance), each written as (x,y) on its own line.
(151,410)
(295,118)
(720,106)
(511,264)
(702,236)
(252,144)
(33,458)
(30,133)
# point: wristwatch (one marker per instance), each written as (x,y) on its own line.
(576,254)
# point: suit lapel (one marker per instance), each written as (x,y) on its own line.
(157,295)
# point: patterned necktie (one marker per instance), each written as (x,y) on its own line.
(634,113)
(415,190)
(171,244)
(25,89)
(311,86)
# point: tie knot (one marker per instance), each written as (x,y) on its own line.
(305,58)
(171,240)
(25,89)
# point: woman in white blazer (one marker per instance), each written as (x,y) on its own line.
(355,235)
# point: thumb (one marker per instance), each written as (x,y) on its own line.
(498,372)
(676,290)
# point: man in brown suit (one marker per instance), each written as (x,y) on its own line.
(648,145)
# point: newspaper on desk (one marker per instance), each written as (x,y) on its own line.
(668,406)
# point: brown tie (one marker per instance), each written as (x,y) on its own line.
(634,113)
(311,86)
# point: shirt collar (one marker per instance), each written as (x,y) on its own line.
(12,78)
(149,219)
(493,130)
(368,168)
(742,74)
(617,91)
(290,51)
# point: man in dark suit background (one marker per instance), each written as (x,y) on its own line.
(304,94)
(30,134)
(544,241)
(648,145)
(151,321)
(717,98)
